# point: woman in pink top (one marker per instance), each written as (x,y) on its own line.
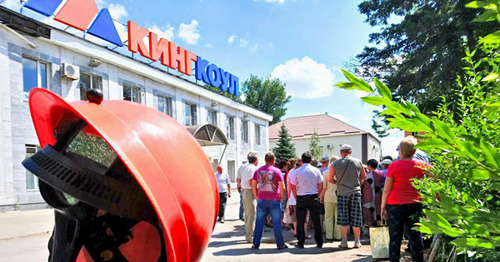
(400,200)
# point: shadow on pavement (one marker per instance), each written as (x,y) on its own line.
(290,250)
(363,259)
(218,244)
(237,230)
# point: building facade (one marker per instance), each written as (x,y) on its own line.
(36,54)
(331,132)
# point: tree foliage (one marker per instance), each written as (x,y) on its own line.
(314,147)
(284,149)
(223,93)
(420,55)
(461,195)
(267,95)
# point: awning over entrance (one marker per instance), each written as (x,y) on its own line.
(208,135)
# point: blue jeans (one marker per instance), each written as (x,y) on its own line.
(264,208)
(242,207)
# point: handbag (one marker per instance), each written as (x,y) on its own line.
(288,216)
(379,241)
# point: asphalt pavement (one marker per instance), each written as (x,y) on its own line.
(228,244)
(24,236)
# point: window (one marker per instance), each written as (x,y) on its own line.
(230,127)
(132,93)
(212,117)
(257,134)
(88,81)
(30,177)
(35,74)
(244,131)
(190,114)
(164,104)
(231,170)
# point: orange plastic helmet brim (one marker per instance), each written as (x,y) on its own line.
(162,155)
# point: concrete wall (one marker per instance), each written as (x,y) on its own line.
(6,180)
(373,148)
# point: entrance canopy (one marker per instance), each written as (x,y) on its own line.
(208,135)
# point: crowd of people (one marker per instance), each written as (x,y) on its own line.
(335,195)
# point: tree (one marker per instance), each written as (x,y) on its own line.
(378,124)
(460,195)
(223,93)
(267,95)
(314,146)
(284,149)
(420,56)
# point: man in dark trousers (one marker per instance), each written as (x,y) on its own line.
(306,183)
(222,182)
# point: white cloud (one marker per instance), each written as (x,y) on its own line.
(52,22)
(360,93)
(209,46)
(117,11)
(122,30)
(341,117)
(243,42)
(231,38)
(166,32)
(100,4)
(273,1)
(391,142)
(305,78)
(254,48)
(189,32)
(12,4)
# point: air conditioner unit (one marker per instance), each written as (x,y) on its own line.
(70,71)
(330,146)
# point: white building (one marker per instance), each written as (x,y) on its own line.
(36,54)
(331,134)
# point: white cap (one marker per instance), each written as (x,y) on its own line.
(386,162)
(345,147)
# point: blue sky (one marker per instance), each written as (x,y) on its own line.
(305,43)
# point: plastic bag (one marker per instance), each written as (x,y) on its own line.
(379,241)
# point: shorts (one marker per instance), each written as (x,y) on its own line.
(349,210)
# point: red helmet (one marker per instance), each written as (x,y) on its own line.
(161,155)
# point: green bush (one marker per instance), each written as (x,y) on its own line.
(461,195)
